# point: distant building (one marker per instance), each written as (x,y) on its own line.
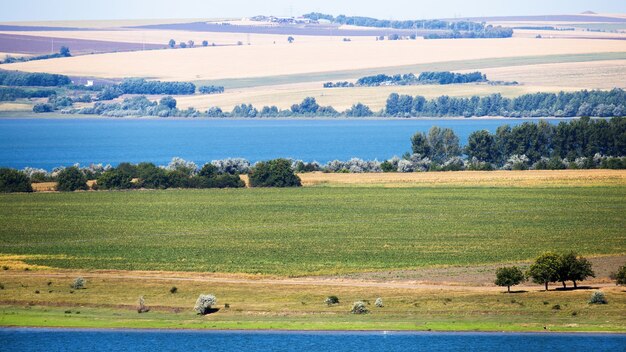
(89,83)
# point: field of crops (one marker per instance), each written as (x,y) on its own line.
(319,230)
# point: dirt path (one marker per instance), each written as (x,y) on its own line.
(337,282)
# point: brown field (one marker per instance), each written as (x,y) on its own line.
(547,178)
(271,60)
(94,24)
(16,106)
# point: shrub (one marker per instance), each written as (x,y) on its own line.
(204,303)
(117,178)
(142,306)
(620,276)
(79,283)
(597,297)
(71,179)
(274,173)
(330,300)
(173,290)
(14,181)
(359,308)
(556,307)
(379,302)
(1,286)
(43,107)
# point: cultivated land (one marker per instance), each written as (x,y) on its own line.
(272,60)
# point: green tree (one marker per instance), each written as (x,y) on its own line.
(545,269)
(291,39)
(65,51)
(205,43)
(482,146)
(574,268)
(274,173)
(168,102)
(117,178)
(172,43)
(14,181)
(151,176)
(509,276)
(444,144)
(71,179)
(419,144)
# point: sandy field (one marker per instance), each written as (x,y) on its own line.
(284,59)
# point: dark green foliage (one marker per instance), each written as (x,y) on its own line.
(211,89)
(387,166)
(43,107)
(34,79)
(343,84)
(109,93)
(173,290)
(120,177)
(331,300)
(71,179)
(274,173)
(487,32)
(141,86)
(168,102)
(509,276)
(483,146)
(10,93)
(574,268)
(14,181)
(151,176)
(452,78)
(359,110)
(444,144)
(419,144)
(545,269)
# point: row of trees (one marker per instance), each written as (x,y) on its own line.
(548,268)
(32,79)
(408,24)
(486,32)
(12,93)
(63,52)
(445,77)
(141,86)
(177,174)
(187,44)
(582,103)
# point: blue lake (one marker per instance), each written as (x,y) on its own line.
(48,143)
(50,340)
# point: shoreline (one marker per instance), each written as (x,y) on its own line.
(312,331)
(21,115)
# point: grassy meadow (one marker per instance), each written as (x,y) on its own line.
(309,231)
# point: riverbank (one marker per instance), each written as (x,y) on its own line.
(109,301)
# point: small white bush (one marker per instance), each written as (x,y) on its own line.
(379,302)
(359,308)
(204,303)
(79,283)
(597,297)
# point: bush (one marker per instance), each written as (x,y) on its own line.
(556,307)
(274,173)
(173,290)
(204,304)
(379,302)
(597,297)
(71,179)
(620,276)
(331,300)
(14,181)
(359,308)
(79,283)
(42,108)
(117,178)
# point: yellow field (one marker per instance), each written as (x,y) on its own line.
(547,178)
(105,23)
(284,96)
(4,54)
(283,59)
(16,107)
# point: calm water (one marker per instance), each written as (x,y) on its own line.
(50,340)
(47,143)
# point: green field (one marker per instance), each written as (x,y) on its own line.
(320,230)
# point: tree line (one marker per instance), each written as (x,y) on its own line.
(410,79)
(32,79)
(12,93)
(177,174)
(63,52)
(487,32)
(548,268)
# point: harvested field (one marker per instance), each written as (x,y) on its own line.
(342,98)
(13,106)
(269,60)
(533,178)
(551,18)
(27,44)
(95,24)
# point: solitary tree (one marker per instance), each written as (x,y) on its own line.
(182,45)
(205,43)
(71,179)
(545,269)
(172,43)
(290,39)
(204,303)
(191,43)
(509,276)
(65,51)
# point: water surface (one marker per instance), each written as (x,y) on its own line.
(48,143)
